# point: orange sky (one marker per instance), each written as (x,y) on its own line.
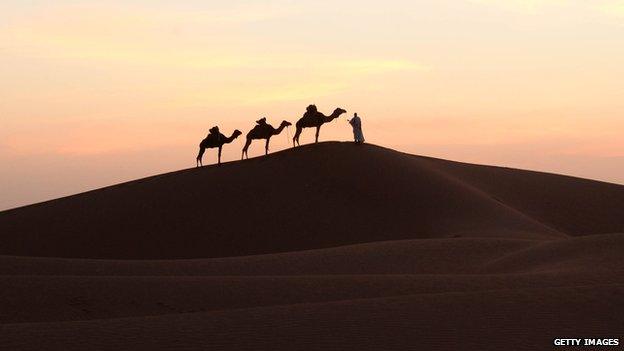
(95,93)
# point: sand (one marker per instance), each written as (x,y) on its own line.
(327,246)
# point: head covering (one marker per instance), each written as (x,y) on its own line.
(214,130)
(261,120)
(311,108)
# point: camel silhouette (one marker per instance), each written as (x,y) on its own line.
(263,131)
(314,119)
(215,139)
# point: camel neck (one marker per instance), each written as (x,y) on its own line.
(279,129)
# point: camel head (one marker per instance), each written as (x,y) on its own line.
(286,123)
(339,111)
(236,133)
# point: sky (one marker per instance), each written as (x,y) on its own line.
(95,93)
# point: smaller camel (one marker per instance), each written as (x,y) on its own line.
(265,131)
(314,119)
(215,139)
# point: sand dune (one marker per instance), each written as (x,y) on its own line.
(431,256)
(447,321)
(69,298)
(329,246)
(276,204)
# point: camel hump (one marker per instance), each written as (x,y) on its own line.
(310,114)
(258,129)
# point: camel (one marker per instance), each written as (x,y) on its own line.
(263,131)
(215,139)
(312,118)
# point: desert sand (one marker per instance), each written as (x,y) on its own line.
(330,246)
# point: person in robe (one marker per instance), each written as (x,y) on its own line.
(356,123)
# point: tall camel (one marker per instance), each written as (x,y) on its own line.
(215,139)
(263,131)
(314,119)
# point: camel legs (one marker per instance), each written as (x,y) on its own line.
(318,130)
(244,153)
(266,147)
(199,156)
(220,147)
(296,137)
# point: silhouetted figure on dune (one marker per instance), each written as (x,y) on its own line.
(356,123)
(215,139)
(314,119)
(263,130)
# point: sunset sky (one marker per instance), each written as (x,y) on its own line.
(94,93)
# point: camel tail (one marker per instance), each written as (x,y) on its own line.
(246,147)
(200,156)
(297,134)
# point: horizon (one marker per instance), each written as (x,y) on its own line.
(98,94)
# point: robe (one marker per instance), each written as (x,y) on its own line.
(356,123)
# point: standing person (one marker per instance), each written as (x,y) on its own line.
(356,123)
